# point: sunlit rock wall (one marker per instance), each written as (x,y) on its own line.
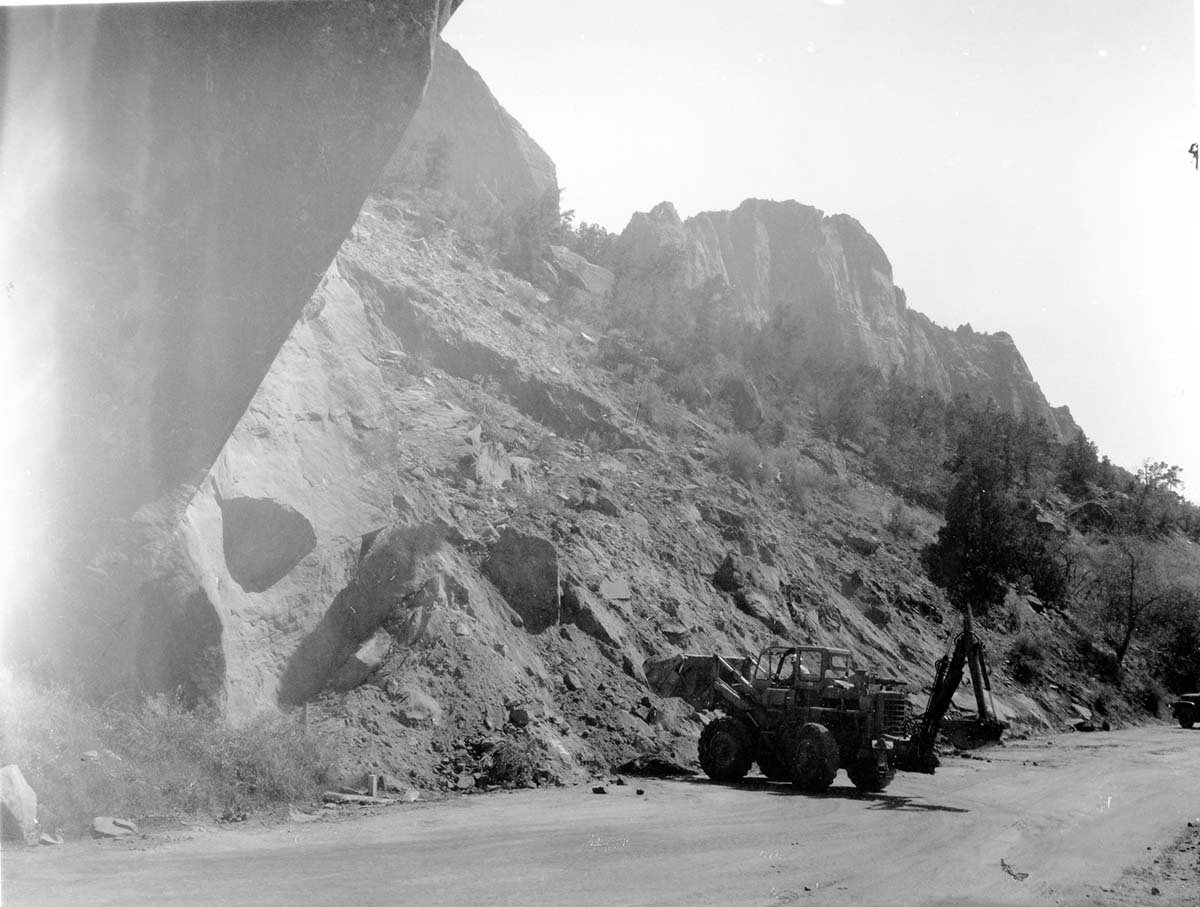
(176,179)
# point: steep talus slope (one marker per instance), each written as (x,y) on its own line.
(489,157)
(439,506)
(177,177)
(771,260)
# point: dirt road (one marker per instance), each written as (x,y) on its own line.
(1070,820)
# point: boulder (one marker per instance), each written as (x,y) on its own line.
(592,615)
(524,568)
(110,827)
(616,589)
(580,273)
(18,805)
(731,575)
(601,503)
(417,708)
(493,468)
(745,404)
(359,666)
(866,545)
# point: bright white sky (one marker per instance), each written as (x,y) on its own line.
(1022,162)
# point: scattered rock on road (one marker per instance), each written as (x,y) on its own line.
(110,827)
(337,797)
(653,767)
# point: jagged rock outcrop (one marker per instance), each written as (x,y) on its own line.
(782,265)
(177,177)
(488,160)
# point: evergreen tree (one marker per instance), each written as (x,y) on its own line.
(990,538)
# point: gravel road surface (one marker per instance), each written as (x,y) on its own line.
(1080,819)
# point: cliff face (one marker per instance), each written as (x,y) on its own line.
(768,259)
(177,177)
(489,157)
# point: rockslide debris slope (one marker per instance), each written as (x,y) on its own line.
(440,505)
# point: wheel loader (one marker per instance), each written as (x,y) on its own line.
(802,712)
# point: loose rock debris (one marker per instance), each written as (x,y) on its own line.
(109,827)
(1019,876)
(653,767)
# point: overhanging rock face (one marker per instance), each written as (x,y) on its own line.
(177,178)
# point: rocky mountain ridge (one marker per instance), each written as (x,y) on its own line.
(767,263)
(487,158)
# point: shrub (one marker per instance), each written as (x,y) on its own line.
(1027,657)
(655,411)
(900,521)
(650,401)
(1150,695)
(739,456)
(1099,661)
(799,477)
(513,764)
(523,234)
(690,387)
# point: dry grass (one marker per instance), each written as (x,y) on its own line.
(152,759)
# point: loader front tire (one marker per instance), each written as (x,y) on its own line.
(726,748)
(813,757)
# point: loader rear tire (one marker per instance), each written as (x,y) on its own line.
(726,748)
(813,757)
(865,775)
(1187,718)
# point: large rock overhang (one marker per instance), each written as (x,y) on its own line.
(176,179)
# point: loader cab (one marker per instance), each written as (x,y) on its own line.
(773,674)
(799,667)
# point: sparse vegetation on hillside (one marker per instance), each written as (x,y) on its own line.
(1018,507)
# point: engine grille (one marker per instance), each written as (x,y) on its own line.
(893,713)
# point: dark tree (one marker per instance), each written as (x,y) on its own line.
(1079,467)
(991,538)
